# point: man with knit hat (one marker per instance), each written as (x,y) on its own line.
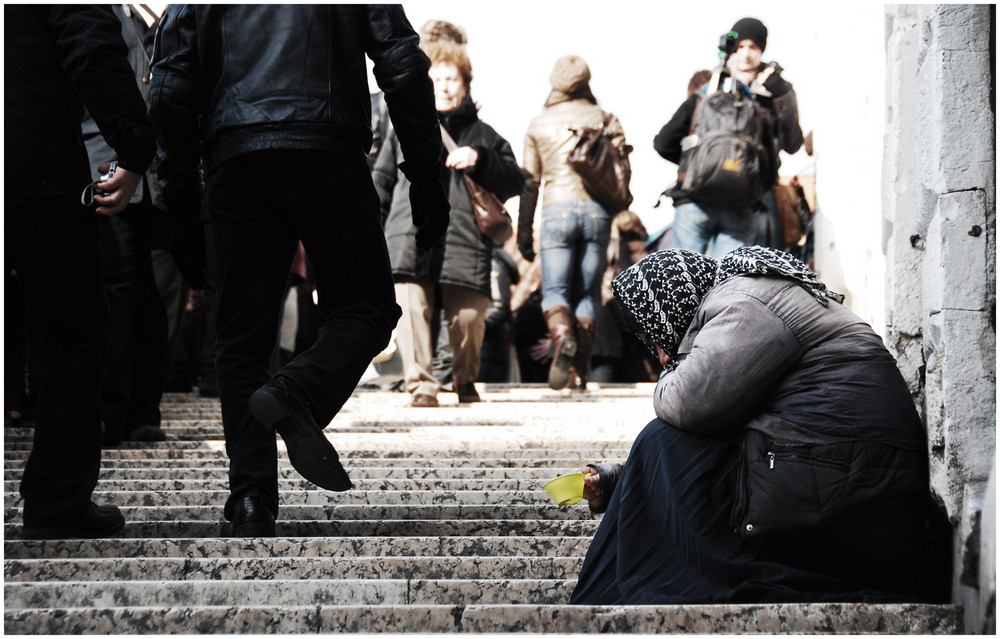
(575,229)
(719,228)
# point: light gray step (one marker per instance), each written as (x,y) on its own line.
(358,528)
(336,512)
(286,471)
(221,464)
(504,457)
(284,592)
(267,568)
(297,484)
(312,547)
(913,619)
(130,498)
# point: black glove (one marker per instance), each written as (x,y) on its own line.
(775,84)
(186,244)
(525,243)
(429,207)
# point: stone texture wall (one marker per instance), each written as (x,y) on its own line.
(939,237)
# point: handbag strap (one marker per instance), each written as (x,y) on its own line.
(449,142)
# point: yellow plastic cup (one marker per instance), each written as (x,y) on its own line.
(566,490)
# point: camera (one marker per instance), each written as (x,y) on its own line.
(727,43)
(104,177)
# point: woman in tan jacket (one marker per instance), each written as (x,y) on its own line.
(575,229)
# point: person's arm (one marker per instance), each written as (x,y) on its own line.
(176,106)
(91,50)
(529,197)
(401,71)
(785,106)
(496,168)
(738,356)
(668,141)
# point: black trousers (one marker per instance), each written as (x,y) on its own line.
(132,384)
(260,205)
(53,247)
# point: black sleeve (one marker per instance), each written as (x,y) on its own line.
(175,108)
(401,72)
(668,141)
(384,174)
(91,50)
(497,170)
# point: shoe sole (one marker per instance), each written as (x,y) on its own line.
(311,453)
(559,371)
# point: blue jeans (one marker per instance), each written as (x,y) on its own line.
(712,229)
(574,244)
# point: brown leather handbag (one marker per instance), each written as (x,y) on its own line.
(492,218)
(604,168)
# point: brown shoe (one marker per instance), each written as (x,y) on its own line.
(467,394)
(424,401)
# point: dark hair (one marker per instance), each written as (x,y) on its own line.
(698,80)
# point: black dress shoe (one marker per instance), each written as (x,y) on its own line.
(467,394)
(252,519)
(96,522)
(310,452)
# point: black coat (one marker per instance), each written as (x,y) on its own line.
(463,257)
(57,59)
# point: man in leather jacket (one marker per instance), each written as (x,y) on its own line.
(59,59)
(274,100)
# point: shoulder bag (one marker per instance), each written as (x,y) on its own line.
(492,218)
(604,168)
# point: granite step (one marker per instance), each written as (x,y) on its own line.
(284,592)
(495,619)
(298,547)
(356,528)
(287,568)
(130,498)
(380,472)
(297,484)
(337,512)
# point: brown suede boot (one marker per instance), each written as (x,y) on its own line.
(560,323)
(585,347)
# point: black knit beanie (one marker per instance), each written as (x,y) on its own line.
(751,29)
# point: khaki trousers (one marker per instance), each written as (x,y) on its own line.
(465,310)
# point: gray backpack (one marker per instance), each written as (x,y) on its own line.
(724,159)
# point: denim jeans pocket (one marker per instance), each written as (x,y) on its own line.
(556,229)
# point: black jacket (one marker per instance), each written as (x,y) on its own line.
(233,79)
(56,56)
(463,257)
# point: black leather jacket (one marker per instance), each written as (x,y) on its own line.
(233,79)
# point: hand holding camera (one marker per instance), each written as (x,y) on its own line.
(112,190)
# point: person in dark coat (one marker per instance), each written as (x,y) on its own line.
(275,100)
(787,462)
(458,266)
(58,59)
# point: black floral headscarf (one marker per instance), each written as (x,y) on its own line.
(659,295)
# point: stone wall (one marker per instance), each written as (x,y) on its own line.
(939,237)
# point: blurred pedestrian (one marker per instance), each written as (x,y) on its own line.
(575,229)
(459,264)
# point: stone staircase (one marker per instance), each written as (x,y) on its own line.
(447,530)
